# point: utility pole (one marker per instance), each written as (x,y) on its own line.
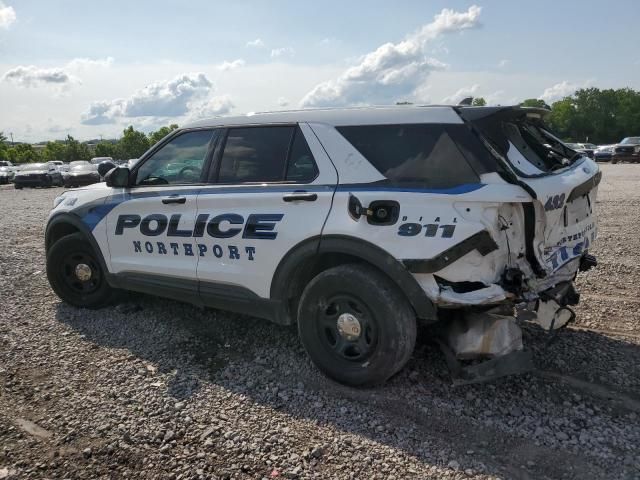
(11,134)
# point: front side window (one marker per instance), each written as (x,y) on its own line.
(426,155)
(180,161)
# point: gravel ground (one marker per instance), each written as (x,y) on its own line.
(157,389)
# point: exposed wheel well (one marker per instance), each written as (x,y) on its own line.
(309,269)
(59,230)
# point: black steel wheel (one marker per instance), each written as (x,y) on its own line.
(356,325)
(347,328)
(76,274)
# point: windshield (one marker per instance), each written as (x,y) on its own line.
(631,140)
(34,166)
(4,164)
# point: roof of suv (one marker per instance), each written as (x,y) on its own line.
(343,116)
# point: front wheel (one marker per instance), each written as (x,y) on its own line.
(75,274)
(356,326)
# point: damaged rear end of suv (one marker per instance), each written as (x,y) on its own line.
(537,242)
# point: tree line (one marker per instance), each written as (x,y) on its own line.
(132,144)
(588,115)
(591,115)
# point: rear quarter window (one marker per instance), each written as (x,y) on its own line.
(427,155)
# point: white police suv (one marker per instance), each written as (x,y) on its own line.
(354,224)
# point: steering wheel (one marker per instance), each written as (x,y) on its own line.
(186,169)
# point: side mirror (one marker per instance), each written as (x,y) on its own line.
(117,177)
(105,166)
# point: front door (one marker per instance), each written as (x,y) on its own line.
(150,226)
(271,189)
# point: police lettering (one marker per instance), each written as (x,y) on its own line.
(258,226)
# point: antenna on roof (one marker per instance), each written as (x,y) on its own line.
(466,102)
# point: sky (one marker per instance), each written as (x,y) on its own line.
(90,69)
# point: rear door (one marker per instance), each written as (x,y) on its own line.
(271,189)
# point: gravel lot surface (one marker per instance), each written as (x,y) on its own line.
(157,389)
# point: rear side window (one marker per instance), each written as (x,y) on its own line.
(301,166)
(266,154)
(426,155)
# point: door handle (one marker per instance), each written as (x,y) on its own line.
(174,199)
(300,196)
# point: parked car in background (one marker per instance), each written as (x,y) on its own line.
(38,175)
(628,150)
(57,163)
(97,160)
(6,175)
(6,163)
(81,174)
(586,148)
(603,153)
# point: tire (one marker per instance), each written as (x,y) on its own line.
(63,258)
(385,324)
(17,187)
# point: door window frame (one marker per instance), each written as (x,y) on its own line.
(206,166)
(216,163)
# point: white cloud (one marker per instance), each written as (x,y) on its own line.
(281,52)
(493,98)
(257,43)
(220,105)
(7,15)
(226,65)
(283,102)
(393,70)
(32,76)
(85,63)
(560,90)
(462,93)
(171,98)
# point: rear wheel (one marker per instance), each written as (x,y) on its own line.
(17,187)
(356,325)
(75,274)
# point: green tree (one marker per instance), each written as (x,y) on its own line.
(53,151)
(535,102)
(479,102)
(598,116)
(155,137)
(107,149)
(74,150)
(24,153)
(3,147)
(133,143)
